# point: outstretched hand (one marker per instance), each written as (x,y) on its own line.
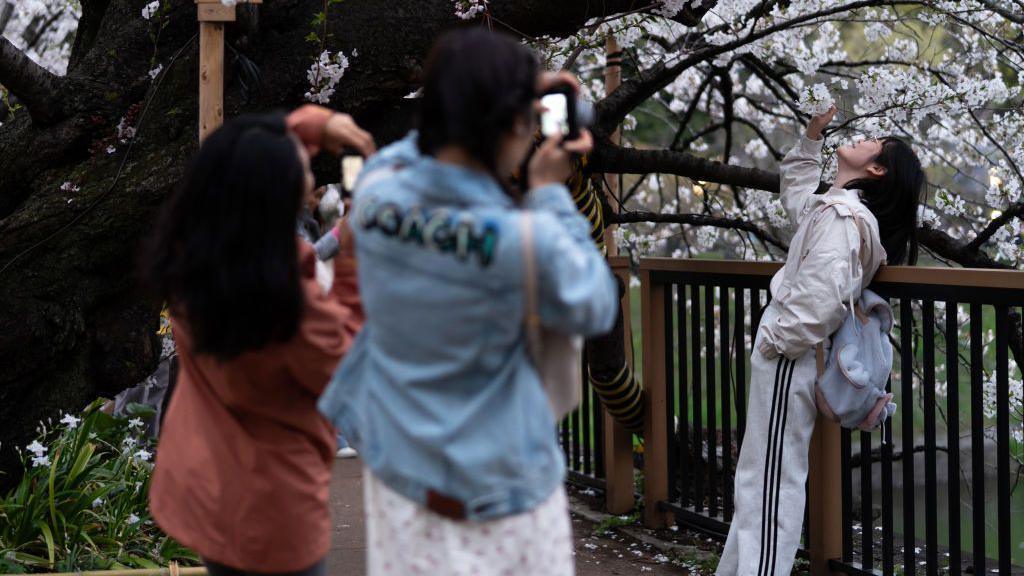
(818,123)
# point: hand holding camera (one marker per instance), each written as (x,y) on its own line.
(564,118)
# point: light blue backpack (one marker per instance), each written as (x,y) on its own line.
(852,379)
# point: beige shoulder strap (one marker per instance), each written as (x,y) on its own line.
(531,319)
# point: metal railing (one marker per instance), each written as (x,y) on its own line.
(939,495)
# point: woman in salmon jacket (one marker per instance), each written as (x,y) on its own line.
(244,459)
(866,218)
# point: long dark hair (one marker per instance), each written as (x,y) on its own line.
(224,253)
(894,199)
(476,83)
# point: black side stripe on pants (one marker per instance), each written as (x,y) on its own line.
(770,461)
(773,550)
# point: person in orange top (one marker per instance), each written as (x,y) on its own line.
(244,459)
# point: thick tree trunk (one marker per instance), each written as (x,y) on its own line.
(74,322)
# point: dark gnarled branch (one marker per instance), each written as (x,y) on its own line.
(612,159)
(34,86)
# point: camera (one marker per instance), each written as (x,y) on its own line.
(564,113)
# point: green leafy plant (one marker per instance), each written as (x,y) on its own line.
(82,501)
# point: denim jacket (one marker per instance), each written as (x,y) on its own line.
(437,393)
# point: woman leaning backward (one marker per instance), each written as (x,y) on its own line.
(842,237)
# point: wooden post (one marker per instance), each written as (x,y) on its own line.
(824,499)
(652,305)
(618,442)
(618,448)
(212,15)
(211,77)
(612,80)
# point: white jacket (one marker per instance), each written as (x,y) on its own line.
(830,260)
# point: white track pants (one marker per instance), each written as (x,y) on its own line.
(771,474)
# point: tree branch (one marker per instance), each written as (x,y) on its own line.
(614,107)
(612,159)
(696,220)
(1014,211)
(34,86)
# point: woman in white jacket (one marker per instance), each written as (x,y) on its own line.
(866,219)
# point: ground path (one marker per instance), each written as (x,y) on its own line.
(594,556)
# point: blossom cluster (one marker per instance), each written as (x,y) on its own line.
(324,75)
(470,9)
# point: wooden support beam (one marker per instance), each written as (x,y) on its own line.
(825,497)
(212,14)
(652,305)
(618,448)
(618,442)
(211,77)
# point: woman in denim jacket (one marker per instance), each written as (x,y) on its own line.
(464,474)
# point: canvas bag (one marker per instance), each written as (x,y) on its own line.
(556,356)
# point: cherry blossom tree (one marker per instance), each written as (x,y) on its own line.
(99,115)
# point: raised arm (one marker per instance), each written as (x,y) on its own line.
(800,171)
(320,128)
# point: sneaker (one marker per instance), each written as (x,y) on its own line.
(347,452)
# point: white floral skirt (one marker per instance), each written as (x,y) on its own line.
(406,539)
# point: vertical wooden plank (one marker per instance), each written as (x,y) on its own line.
(670,393)
(211,77)
(618,442)
(825,496)
(652,305)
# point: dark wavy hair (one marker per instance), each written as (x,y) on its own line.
(476,83)
(894,199)
(224,253)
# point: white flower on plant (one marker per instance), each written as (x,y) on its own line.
(135,423)
(156,71)
(927,216)
(38,461)
(150,9)
(756,149)
(815,99)
(949,203)
(69,187)
(776,214)
(132,519)
(36,448)
(876,31)
(707,236)
(111,149)
(470,9)
(125,132)
(324,75)
(143,455)
(97,503)
(70,421)
(129,444)
(670,8)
